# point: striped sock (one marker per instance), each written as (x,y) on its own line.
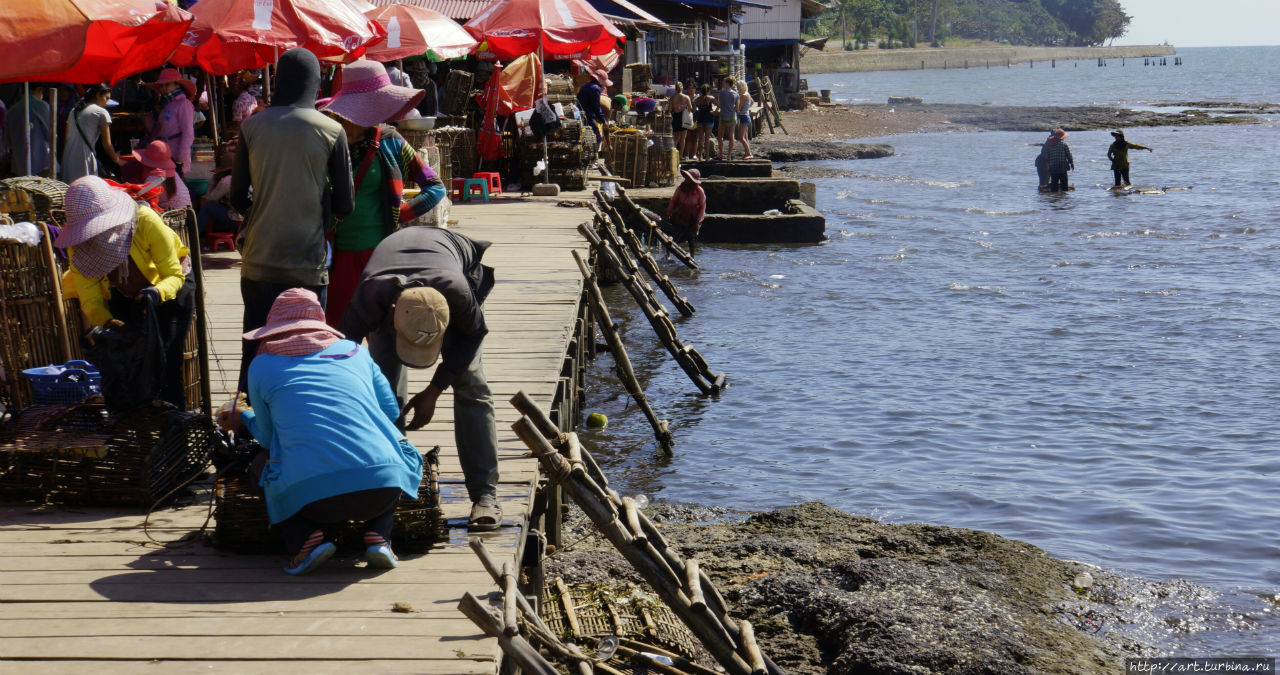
(374,539)
(315,539)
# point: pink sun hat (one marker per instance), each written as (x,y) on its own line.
(100,222)
(172,75)
(367,97)
(296,309)
(155,155)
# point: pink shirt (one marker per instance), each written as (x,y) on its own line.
(176,127)
(687,206)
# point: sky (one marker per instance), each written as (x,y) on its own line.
(1202,23)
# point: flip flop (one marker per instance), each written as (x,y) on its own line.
(486,516)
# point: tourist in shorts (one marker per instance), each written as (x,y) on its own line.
(703,107)
(727,99)
(744,120)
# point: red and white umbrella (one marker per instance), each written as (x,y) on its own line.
(87,41)
(555,29)
(412,30)
(232,35)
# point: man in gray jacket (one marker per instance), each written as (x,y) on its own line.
(295,159)
(418,300)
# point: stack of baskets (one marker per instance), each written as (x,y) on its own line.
(457,92)
(641,76)
(81,455)
(664,162)
(628,156)
(459,145)
(243,525)
(177,219)
(47,196)
(571,149)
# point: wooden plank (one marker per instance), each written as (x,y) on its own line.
(462,665)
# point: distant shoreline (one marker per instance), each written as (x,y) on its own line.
(839,61)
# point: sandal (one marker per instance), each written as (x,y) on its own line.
(486,515)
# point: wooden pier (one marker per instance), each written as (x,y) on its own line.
(86,590)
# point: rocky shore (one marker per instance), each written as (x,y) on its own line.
(832,593)
(836,60)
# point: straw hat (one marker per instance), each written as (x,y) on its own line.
(155,155)
(100,222)
(367,97)
(421,317)
(692,175)
(293,310)
(172,75)
(603,78)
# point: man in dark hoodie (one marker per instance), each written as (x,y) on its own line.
(295,159)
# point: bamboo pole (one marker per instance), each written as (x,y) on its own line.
(59,308)
(653,231)
(712,633)
(202,319)
(752,650)
(622,363)
(515,646)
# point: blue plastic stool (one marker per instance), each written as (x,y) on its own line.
(468,189)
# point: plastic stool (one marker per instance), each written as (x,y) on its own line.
(213,240)
(455,186)
(469,186)
(494,178)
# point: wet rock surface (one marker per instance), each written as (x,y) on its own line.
(829,592)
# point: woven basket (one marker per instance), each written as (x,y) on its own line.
(80,455)
(177,219)
(599,612)
(242,523)
(30,333)
(461,145)
(456,92)
(49,196)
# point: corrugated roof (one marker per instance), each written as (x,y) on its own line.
(461,10)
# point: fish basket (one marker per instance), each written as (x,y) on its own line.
(559,85)
(628,156)
(457,91)
(583,613)
(81,455)
(177,219)
(30,333)
(48,195)
(663,162)
(242,525)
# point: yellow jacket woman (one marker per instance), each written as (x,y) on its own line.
(124,259)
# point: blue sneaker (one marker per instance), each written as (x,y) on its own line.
(305,564)
(380,556)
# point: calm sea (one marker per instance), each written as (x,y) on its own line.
(1097,374)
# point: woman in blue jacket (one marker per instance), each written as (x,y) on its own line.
(327,417)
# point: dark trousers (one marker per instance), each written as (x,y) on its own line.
(376,507)
(215,217)
(1058,182)
(174,320)
(1043,174)
(1122,176)
(258,296)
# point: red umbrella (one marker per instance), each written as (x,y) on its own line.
(87,41)
(560,29)
(412,30)
(231,35)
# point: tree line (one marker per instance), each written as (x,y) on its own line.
(904,23)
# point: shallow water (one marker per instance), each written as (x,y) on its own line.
(1090,372)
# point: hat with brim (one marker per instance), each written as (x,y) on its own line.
(421,317)
(692,175)
(172,75)
(93,207)
(1118,134)
(603,78)
(155,155)
(1060,133)
(296,309)
(367,98)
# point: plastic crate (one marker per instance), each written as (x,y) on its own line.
(71,382)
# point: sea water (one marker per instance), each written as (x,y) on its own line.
(1095,373)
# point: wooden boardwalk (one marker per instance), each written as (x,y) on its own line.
(85,590)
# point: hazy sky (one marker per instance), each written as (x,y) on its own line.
(1202,23)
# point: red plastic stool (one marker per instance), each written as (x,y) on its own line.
(494,178)
(456,187)
(213,240)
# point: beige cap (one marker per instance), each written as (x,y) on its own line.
(421,317)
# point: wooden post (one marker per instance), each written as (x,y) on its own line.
(59,307)
(202,321)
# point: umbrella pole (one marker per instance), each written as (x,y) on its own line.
(213,106)
(546,162)
(26,119)
(53,136)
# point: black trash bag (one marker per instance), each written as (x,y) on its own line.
(233,455)
(130,358)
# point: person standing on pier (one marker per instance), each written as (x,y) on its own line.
(727,102)
(1118,153)
(420,299)
(1058,157)
(296,161)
